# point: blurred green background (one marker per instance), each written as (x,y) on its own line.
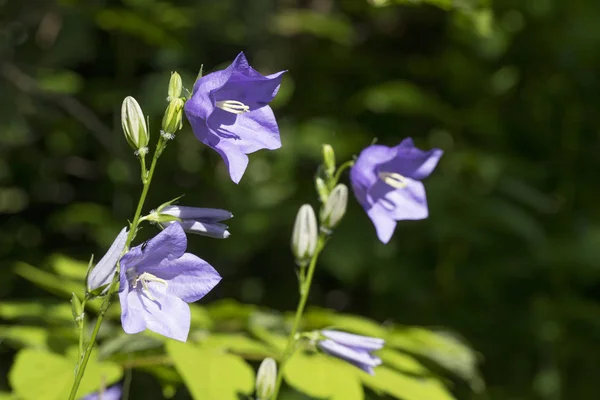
(509,257)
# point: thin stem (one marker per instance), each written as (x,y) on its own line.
(304,291)
(340,170)
(114,284)
(81,325)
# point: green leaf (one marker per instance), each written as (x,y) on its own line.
(326,26)
(211,374)
(402,362)
(323,318)
(38,374)
(238,343)
(36,309)
(68,267)
(25,336)
(7,396)
(321,376)
(48,281)
(128,344)
(405,387)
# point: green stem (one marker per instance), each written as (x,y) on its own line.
(340,170)
(81,326)
(304,291)
(114,284)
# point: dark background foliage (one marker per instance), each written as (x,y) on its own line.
(509,255)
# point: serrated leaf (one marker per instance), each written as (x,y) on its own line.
(38,374)
(323,377)
(211,374)
(405,387)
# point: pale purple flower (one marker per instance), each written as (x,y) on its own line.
(158,279)
(355,349)
(202,221)
(111,393)
(229,112)
(387,183)
(102,274)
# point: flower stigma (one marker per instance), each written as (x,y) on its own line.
(144,279)
(233,106)
(394,179)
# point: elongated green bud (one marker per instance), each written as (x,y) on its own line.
(134,125)
(175,86)
(173,118)
(329,160)
(334,208)
(76,307)
(265,379)
(304,237)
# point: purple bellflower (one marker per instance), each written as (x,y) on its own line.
(201,221)
(229,112)
(387,183)
(102,274)
(111,393)
(158,279)
(355,349)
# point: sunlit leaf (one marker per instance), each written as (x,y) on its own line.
(406,387)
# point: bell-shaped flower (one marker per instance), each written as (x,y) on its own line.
(111,393)
(355,349)
(158,279)
(201,221)
(229,112)
(102,274)
(387,183)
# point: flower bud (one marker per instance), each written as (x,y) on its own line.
(265,379)
(175,86)
(134,124)
(335,207)
(304,237)
(172,120)
(329,160)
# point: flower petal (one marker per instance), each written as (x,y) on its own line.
(235,159)
(102,274)
(384,224)
(363,173)
(189,278)
(206,214)
(166,315)
(360,358)
(355,341)
(169,244)
(411,161)
(409,202)
(254,91)
(111,393)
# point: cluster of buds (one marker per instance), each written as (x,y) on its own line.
(173,119)
(334,198)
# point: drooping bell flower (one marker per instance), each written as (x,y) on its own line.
(229,112)
(355,349)
(387,183)
(158,280)
(200,221)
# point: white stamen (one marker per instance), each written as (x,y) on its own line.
(233,106)
(394,179)
(144,278)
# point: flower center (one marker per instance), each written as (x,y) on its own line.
(144,279)
(394,179)
(233,106)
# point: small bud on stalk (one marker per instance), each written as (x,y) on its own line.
(335,208)
(76,307)
(329,160)
(172,120)
(304,237)
(265,379)
(321,184)
(175,87)
(134,125)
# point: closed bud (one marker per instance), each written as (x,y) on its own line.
(335,207)
(134,124)
(175,86)
(329,160)
(321,184)
(265,379)
(304,237)
(76,307)
(173,118)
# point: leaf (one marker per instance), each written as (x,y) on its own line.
(211,374)
(319,318)
(402,362)
(7,396)
(38,374)
(48,281)
(406,387)
(68,267)
(128,344)
(321,376)
(238,343)
(36,309)
(332,27)
(27,336)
